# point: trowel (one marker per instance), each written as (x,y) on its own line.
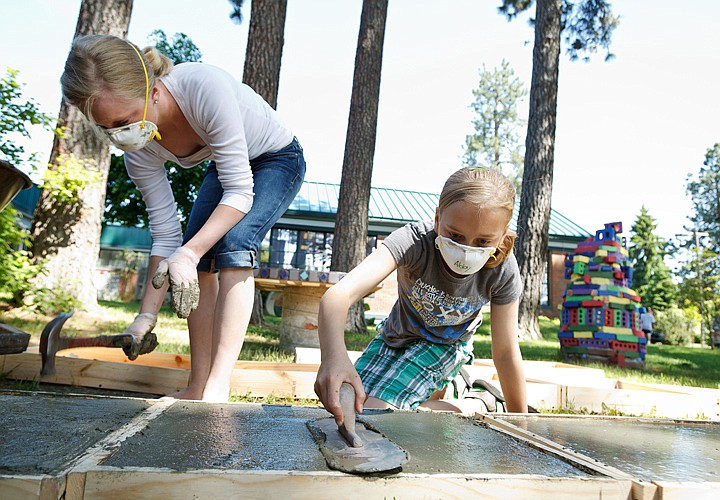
(354,446)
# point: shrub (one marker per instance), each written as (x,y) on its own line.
(677,326)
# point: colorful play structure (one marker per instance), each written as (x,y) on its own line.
(600,320)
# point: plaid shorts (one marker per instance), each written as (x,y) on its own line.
(407,376)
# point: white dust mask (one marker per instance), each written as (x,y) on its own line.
(463,259)
(136,135)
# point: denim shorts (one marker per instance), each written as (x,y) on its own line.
(277,178)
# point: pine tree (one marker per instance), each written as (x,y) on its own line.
(652,279)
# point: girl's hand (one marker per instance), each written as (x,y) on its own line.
(330,377)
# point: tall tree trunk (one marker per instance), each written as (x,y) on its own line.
(67,236)
(266,37)
(351,225)
(263,57)
(534,215)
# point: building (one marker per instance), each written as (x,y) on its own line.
(303,239)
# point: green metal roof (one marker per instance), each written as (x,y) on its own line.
(126,238)
(396,207)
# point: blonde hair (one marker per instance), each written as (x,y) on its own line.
(99,63)
(484,188)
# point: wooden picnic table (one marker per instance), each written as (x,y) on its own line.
(302,291)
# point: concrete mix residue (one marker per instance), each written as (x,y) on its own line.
(40,433)
(656,450)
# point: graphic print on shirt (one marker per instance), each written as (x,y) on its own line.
(440,315)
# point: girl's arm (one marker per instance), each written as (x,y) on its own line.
(335,365)
(506,355)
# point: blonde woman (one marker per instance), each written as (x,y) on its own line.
(447,270)
(188,114)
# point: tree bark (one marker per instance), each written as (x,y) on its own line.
(535,200)
(67,236)
(263,58)
(263,55)
(351,225)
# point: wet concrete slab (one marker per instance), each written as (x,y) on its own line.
(264,437)
(655,450)
(42,433)
(227,437)
(448,443)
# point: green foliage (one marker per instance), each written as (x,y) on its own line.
(15,118)
(587,25)
(652,279)
(51,301)
(497,140)
(677,326)
(123,202)
(16,269)
(180,50)
(69,178)
(700,269)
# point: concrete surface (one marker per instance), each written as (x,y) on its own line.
(655,450)
(42,433)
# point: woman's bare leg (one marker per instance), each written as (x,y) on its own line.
(200,325)
(232,315)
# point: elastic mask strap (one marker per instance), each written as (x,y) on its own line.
(147,83)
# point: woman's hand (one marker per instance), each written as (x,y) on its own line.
(184,288)
(143,340)
(330,377)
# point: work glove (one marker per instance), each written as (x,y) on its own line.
(143,340)
(184,288)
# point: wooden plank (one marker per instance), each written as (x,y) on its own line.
(258,379)
(147,483)
(93,373)
(680,490)
(636,402)
(169,360)
(20,487)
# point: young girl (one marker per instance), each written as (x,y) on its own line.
(190,113)
(447,270)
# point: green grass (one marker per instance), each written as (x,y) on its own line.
(665,364)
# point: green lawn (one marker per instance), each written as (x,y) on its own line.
(665,364)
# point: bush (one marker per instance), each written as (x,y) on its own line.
(16,270)
(676,325)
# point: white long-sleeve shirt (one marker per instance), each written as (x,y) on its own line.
(236,125)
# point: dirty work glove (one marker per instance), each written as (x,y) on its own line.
(184,288)
(143,340)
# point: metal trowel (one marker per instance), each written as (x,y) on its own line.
(355,447)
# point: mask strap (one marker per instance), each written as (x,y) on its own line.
(155,133)
(147,83)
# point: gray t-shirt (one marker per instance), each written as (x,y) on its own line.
(433,304)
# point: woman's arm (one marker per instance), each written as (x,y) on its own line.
(222,220)
(335,365)
(506,355)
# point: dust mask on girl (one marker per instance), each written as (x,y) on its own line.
(463,259)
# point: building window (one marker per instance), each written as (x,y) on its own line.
(544,293)
(300,249)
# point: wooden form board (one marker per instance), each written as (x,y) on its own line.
(258,379)
(163,373)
